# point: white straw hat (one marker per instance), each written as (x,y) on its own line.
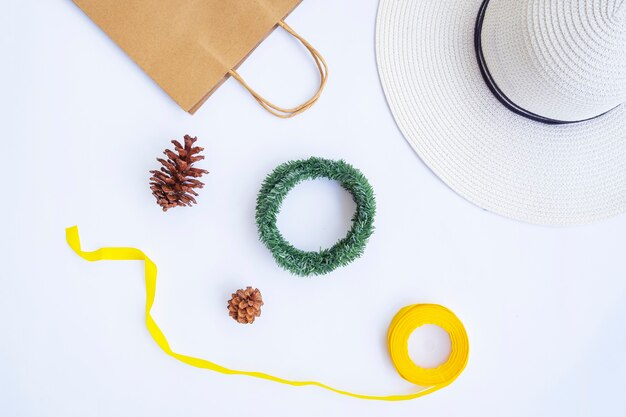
(518,105)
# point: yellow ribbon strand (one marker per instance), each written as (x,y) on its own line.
(401,327)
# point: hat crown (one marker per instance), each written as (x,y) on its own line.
(560,59)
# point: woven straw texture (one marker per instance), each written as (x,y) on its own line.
(501,161)
(562,59)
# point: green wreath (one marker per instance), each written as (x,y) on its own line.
(275,189)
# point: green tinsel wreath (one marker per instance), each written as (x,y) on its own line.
(275,189)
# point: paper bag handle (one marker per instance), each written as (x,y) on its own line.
(280,111)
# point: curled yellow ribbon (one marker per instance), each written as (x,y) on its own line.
(401,327)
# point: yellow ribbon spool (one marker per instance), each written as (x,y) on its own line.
(403,324)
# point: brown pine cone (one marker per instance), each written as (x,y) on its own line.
(174,184)
(245,305)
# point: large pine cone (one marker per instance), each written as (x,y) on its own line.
(245,305)
(174,184)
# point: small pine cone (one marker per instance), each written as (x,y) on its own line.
(174,184)
(245,305)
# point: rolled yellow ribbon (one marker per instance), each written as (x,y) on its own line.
(401,327)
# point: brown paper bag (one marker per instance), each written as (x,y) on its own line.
(190,47)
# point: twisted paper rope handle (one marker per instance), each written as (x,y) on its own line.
(401,327)
(286,113)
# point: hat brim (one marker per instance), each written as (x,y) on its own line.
(498,160)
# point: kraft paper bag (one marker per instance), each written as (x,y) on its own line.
(190,47)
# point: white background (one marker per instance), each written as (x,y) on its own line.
(82,125)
